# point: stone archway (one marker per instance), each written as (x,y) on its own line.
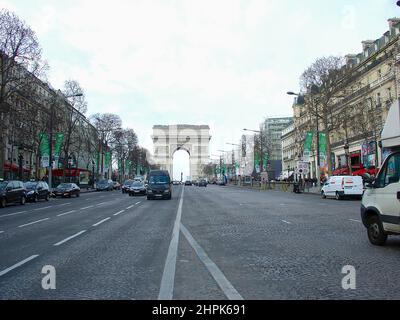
(191,138)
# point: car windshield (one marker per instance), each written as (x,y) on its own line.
(128,183)
(65,186)
(159,180)
(103,182)
(31,185)
(137,184)
(3,185)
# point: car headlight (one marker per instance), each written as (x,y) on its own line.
(150,191)
(30,193)
(166,191)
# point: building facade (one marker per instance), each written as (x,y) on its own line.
(289,159)
(358,113)
(272,129)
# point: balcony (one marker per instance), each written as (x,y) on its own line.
(387,77)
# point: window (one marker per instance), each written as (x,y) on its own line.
(389,93)
(390,173)
(378,99)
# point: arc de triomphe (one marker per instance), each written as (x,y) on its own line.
(194,139)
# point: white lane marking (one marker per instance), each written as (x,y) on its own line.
(118,213)
(65,213)
(130,207)
(228,289)
(138,203)
(100,204)
(34,222)
(1,231)
(2,273)
(168,278)
(69,238)
(64,204)
(12,214)
(100,222)
(87,207)
(287,222)
(38,209)
(355,220)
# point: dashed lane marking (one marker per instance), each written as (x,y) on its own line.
(89,207)
(5,271)
(69,238)
(118,213)
(101,222)
(34,222)
(287,222)
(66,213)
(12,214)
(38,209)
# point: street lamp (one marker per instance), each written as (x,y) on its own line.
(51,137)
(346,151)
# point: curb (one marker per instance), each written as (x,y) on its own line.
(258,189)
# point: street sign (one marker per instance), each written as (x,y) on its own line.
(264,177)
(302,168)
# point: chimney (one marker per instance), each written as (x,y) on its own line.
(351,59)
(392,22)
(367,44)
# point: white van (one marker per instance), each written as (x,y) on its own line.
(343,186)
(380,207)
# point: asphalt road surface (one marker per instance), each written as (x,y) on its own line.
(206,243)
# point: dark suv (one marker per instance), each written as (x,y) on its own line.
(12,192)
(37,190)
(159,185)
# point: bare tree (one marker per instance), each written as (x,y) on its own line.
(76,108)
(20,62)
(326,75)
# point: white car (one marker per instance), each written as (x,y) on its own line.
(343,186)
(380,207)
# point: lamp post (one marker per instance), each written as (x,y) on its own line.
(346,151)
(50,168)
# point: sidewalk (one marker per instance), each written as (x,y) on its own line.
(278,186)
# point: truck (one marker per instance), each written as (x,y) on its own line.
(380,207)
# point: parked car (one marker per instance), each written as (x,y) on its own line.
(221,182)
(37,190)
(202,183)
(188,183)
(126,185)
(117,185)
(67,190)
(343,186)
(176,183)
(12,192)
(105,185)
(159,185)
(137,188)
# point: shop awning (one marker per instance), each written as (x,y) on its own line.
(391,130)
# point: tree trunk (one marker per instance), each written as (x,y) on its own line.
(2,151)
(328,152)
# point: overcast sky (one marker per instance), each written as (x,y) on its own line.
(225,63)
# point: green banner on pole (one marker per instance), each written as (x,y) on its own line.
(307,146)
(44,149)
(107,160)
(322,148)
(59,142)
